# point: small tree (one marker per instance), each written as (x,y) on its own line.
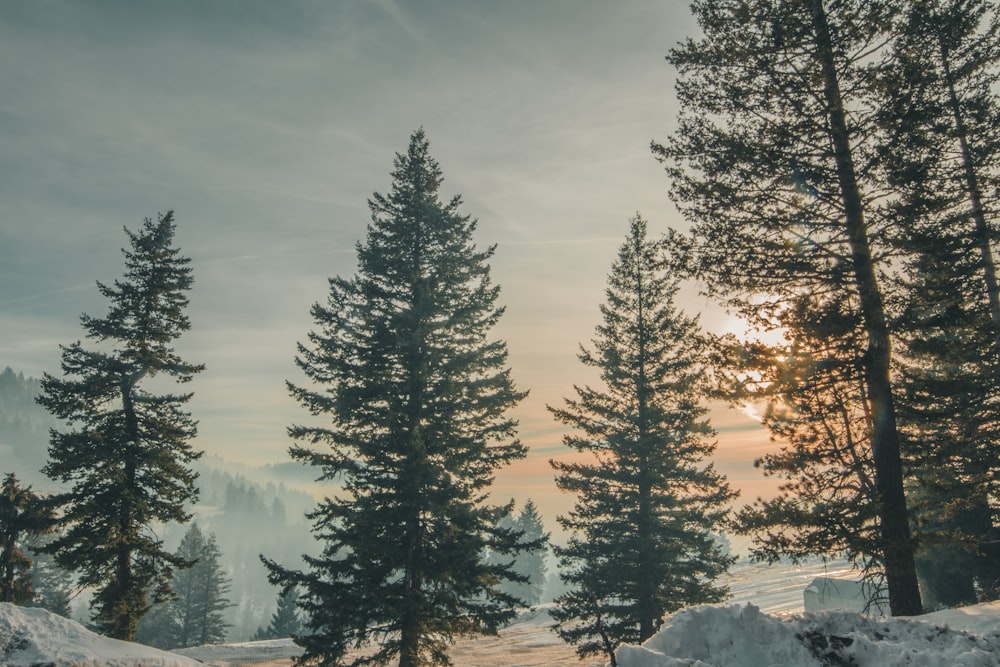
(529,563)
(22,515)
(126,451)
(193,616)
(417,396)
(201,591)
(641,542)
(285,621)
(52,584)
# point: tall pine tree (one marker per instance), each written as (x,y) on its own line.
(776,164)
(125,453)
(941,154)
(641,542)
(416,394)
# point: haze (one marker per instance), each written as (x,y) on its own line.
(266,126)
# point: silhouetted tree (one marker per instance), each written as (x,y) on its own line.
(942,148)
(417,395)
(125,452)
(776,163)
(641,542)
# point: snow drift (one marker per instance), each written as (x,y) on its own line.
(734,636)
(35,637)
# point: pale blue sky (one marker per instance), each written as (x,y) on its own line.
(266,126)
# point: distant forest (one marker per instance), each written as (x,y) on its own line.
(251,511)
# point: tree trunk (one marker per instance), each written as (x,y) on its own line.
(982,230)
(897,546)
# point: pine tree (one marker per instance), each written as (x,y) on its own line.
(941,154)
(125,452)
(813,387)
(776,163)
(529,563)
(285,621)
(22,515)
(193,616)
(201,592)
(416,395)
(641,542)
(52,584)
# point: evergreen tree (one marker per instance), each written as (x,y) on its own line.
(942,154)
(529,563)
(641,542)
(285,621)
(776,162)
(813,389)
(125,452)
(193,616)
(22,515)
(201,592)
(416,395)
(52,584)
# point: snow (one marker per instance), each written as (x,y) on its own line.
(31,637)
(734,635)
(743,636)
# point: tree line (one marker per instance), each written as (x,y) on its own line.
(835,163)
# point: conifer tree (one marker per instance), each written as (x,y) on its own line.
(22,515)
(416,394)
(776,163)
(201,592)
(52,584)
(285,620)
(941,154)
(193,615)
(125,451)
(641,543)
(529,564)
(813,387)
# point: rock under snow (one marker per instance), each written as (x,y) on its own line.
(735,636)
(32,637)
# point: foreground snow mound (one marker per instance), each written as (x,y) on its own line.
(734,636)
(37,638)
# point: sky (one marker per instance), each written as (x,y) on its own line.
(265,126)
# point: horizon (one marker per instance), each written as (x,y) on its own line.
(267,128)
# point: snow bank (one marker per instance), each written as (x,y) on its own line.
(30,637)
(734,636)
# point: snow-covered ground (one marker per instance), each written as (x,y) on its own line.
(743,636)
(763,625)
(35,637)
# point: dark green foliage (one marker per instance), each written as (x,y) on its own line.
(23,515)
(641,542)
(125,451)
(285,621)
(416,394)
(777,164)
(942,156)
